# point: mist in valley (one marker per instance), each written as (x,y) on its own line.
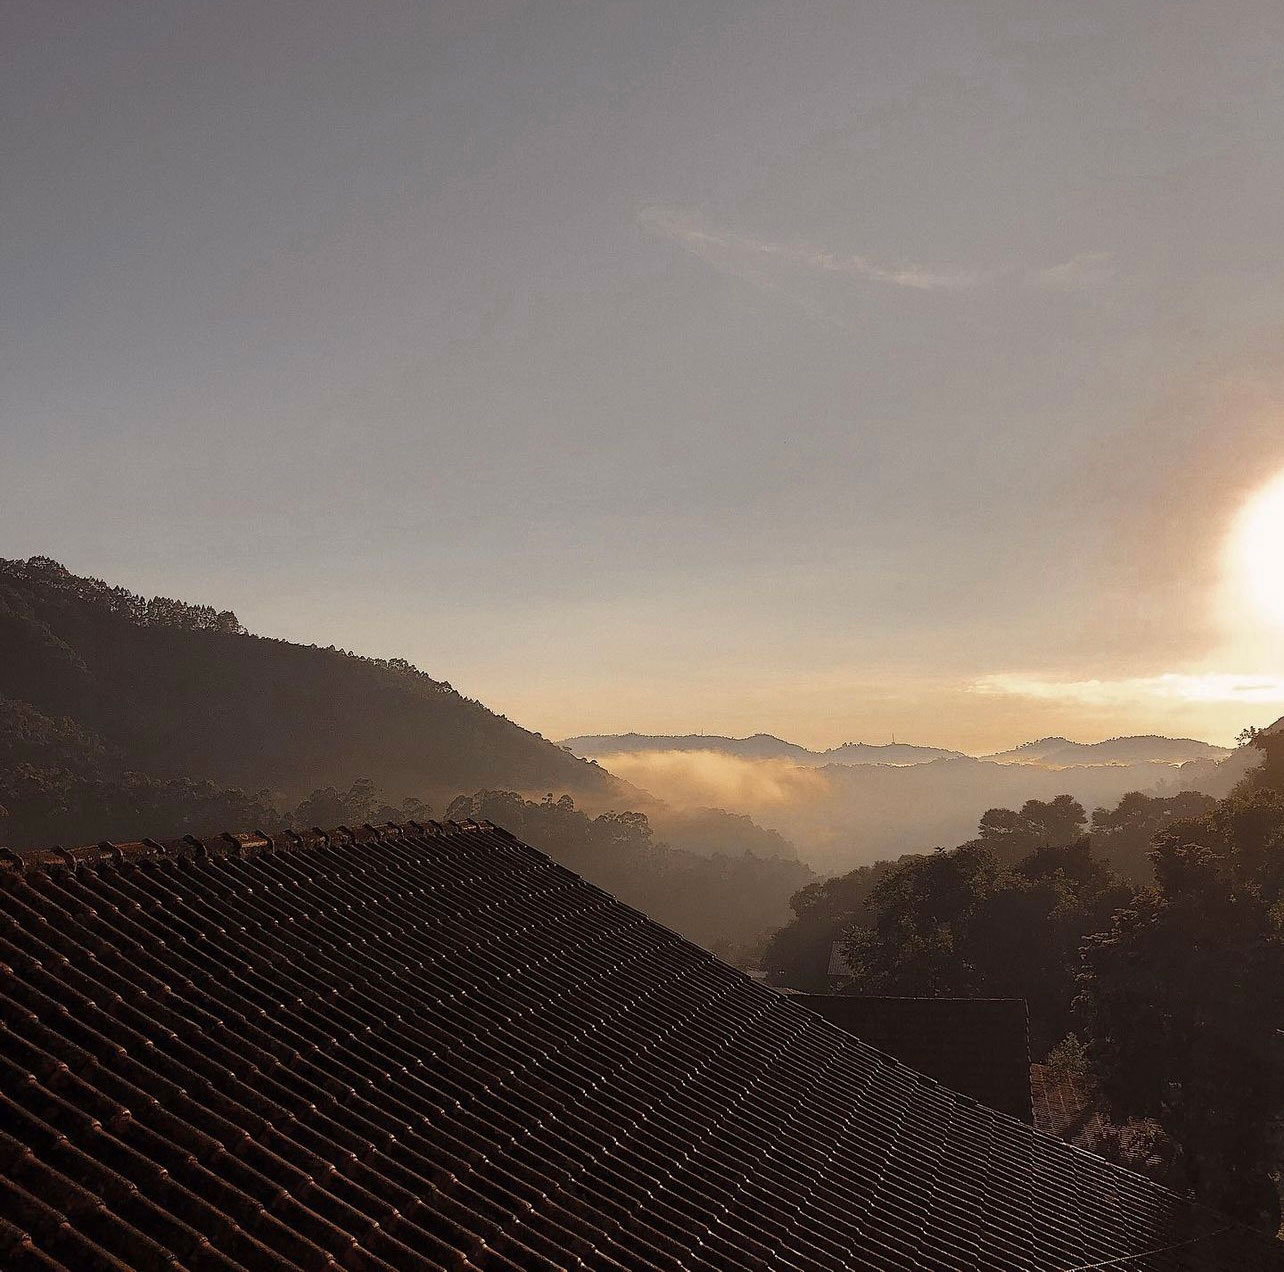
(839,816)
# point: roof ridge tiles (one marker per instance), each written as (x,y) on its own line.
(228,843)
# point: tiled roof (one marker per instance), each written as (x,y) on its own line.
(434,1048)
(979,1046)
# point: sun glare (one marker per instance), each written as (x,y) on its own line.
(1257,552)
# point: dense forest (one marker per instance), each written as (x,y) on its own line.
(122,717)
(1147,941)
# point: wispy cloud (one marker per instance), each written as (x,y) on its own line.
(746,256)
(766,263)
(1172,687)
(1079,273)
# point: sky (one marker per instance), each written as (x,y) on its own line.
(835,370)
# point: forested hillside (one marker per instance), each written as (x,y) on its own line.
(177,690)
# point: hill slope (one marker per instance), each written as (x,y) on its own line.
(171,689)
(122,717)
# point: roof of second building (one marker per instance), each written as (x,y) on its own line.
(978,1046)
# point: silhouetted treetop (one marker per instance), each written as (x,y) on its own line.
(159,611)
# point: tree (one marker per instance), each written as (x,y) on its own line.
(1184,994)
(1013,835)
(917,942)
(1024,935)
(798,954)
(409,810)
(1269,774)
(360,803)
(1056,823)
(1124,835)
(327,807)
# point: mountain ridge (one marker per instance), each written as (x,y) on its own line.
(757,746)
(1141,748)
(1050,752)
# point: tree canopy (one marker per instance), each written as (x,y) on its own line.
(959,924)
(1183,999)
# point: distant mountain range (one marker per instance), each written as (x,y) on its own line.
(1045,752)
(1147,749)
(761,746)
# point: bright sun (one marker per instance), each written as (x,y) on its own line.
(1257,552)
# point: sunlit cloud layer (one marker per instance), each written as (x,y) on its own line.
(1170,687)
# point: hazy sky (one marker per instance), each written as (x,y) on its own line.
(831,369)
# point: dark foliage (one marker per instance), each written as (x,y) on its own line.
(359,804)
(1124,835)
(28,737)
(798,955)
(1000,916)
(958,924)
(1268,775)
(1012,835)
(1183,997)
(43,806)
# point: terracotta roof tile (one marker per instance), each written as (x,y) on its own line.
(431,1047)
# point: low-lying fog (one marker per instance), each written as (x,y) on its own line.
(843,815)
